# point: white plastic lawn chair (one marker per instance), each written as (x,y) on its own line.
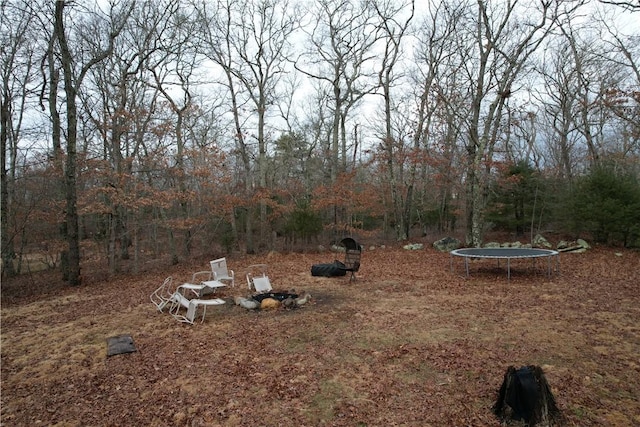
(257,278)
(202,284)
(221,272)
(180,301)
(161,297)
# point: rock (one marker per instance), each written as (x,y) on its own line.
(540,242)
(249,304)
(492,245)
(303,299)
(414,246)
(269,304)
(579,246)
(447,244)
(289,302)
(583,243)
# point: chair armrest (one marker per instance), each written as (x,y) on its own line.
(206,275)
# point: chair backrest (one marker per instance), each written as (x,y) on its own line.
(261,284)
(219,268)
(353,252)
(220,271)
(254,271)
(352,259)
(161,296)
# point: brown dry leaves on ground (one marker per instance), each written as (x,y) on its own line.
(409,344)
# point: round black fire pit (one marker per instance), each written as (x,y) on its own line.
(280,296)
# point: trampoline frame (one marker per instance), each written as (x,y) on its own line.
(508,254)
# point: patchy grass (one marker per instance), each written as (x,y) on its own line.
(408,344)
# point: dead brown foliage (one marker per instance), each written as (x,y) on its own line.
(409,344)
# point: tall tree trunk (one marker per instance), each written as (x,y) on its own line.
(70,173)
(246,162)
(7,242)
(262,166)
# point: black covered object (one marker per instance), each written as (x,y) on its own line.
(526,396)
(335,268)
(280,296)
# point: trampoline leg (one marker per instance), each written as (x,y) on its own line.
(549,266)
(509,268)
(466,266)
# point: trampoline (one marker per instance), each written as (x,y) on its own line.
(508,254)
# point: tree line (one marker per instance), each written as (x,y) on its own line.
(136,129)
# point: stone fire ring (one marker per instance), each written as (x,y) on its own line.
(508,254)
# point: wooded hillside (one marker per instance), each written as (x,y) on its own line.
(163,129)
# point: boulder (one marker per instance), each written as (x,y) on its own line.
(248,303)
(414,247)
(578,246)
(583,243)
(540,242)
(447,244)
(269,303)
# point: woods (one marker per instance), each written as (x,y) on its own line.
(139,130)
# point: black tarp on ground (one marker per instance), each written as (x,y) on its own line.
(120,344)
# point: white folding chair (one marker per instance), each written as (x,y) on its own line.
(161,297)
(201,284)
(221,272)
(257,278)
(192,308)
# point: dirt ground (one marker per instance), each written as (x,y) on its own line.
(410,343)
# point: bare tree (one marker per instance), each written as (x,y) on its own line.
(174,71)
(73,79)
(504,36)
(250,41)
(633,6)
(340,56)
(262,47)
(622,99)
(120,101)
(17,68)
(217,25)
(393,27)
(440,112)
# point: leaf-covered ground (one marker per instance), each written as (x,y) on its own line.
(408,344)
